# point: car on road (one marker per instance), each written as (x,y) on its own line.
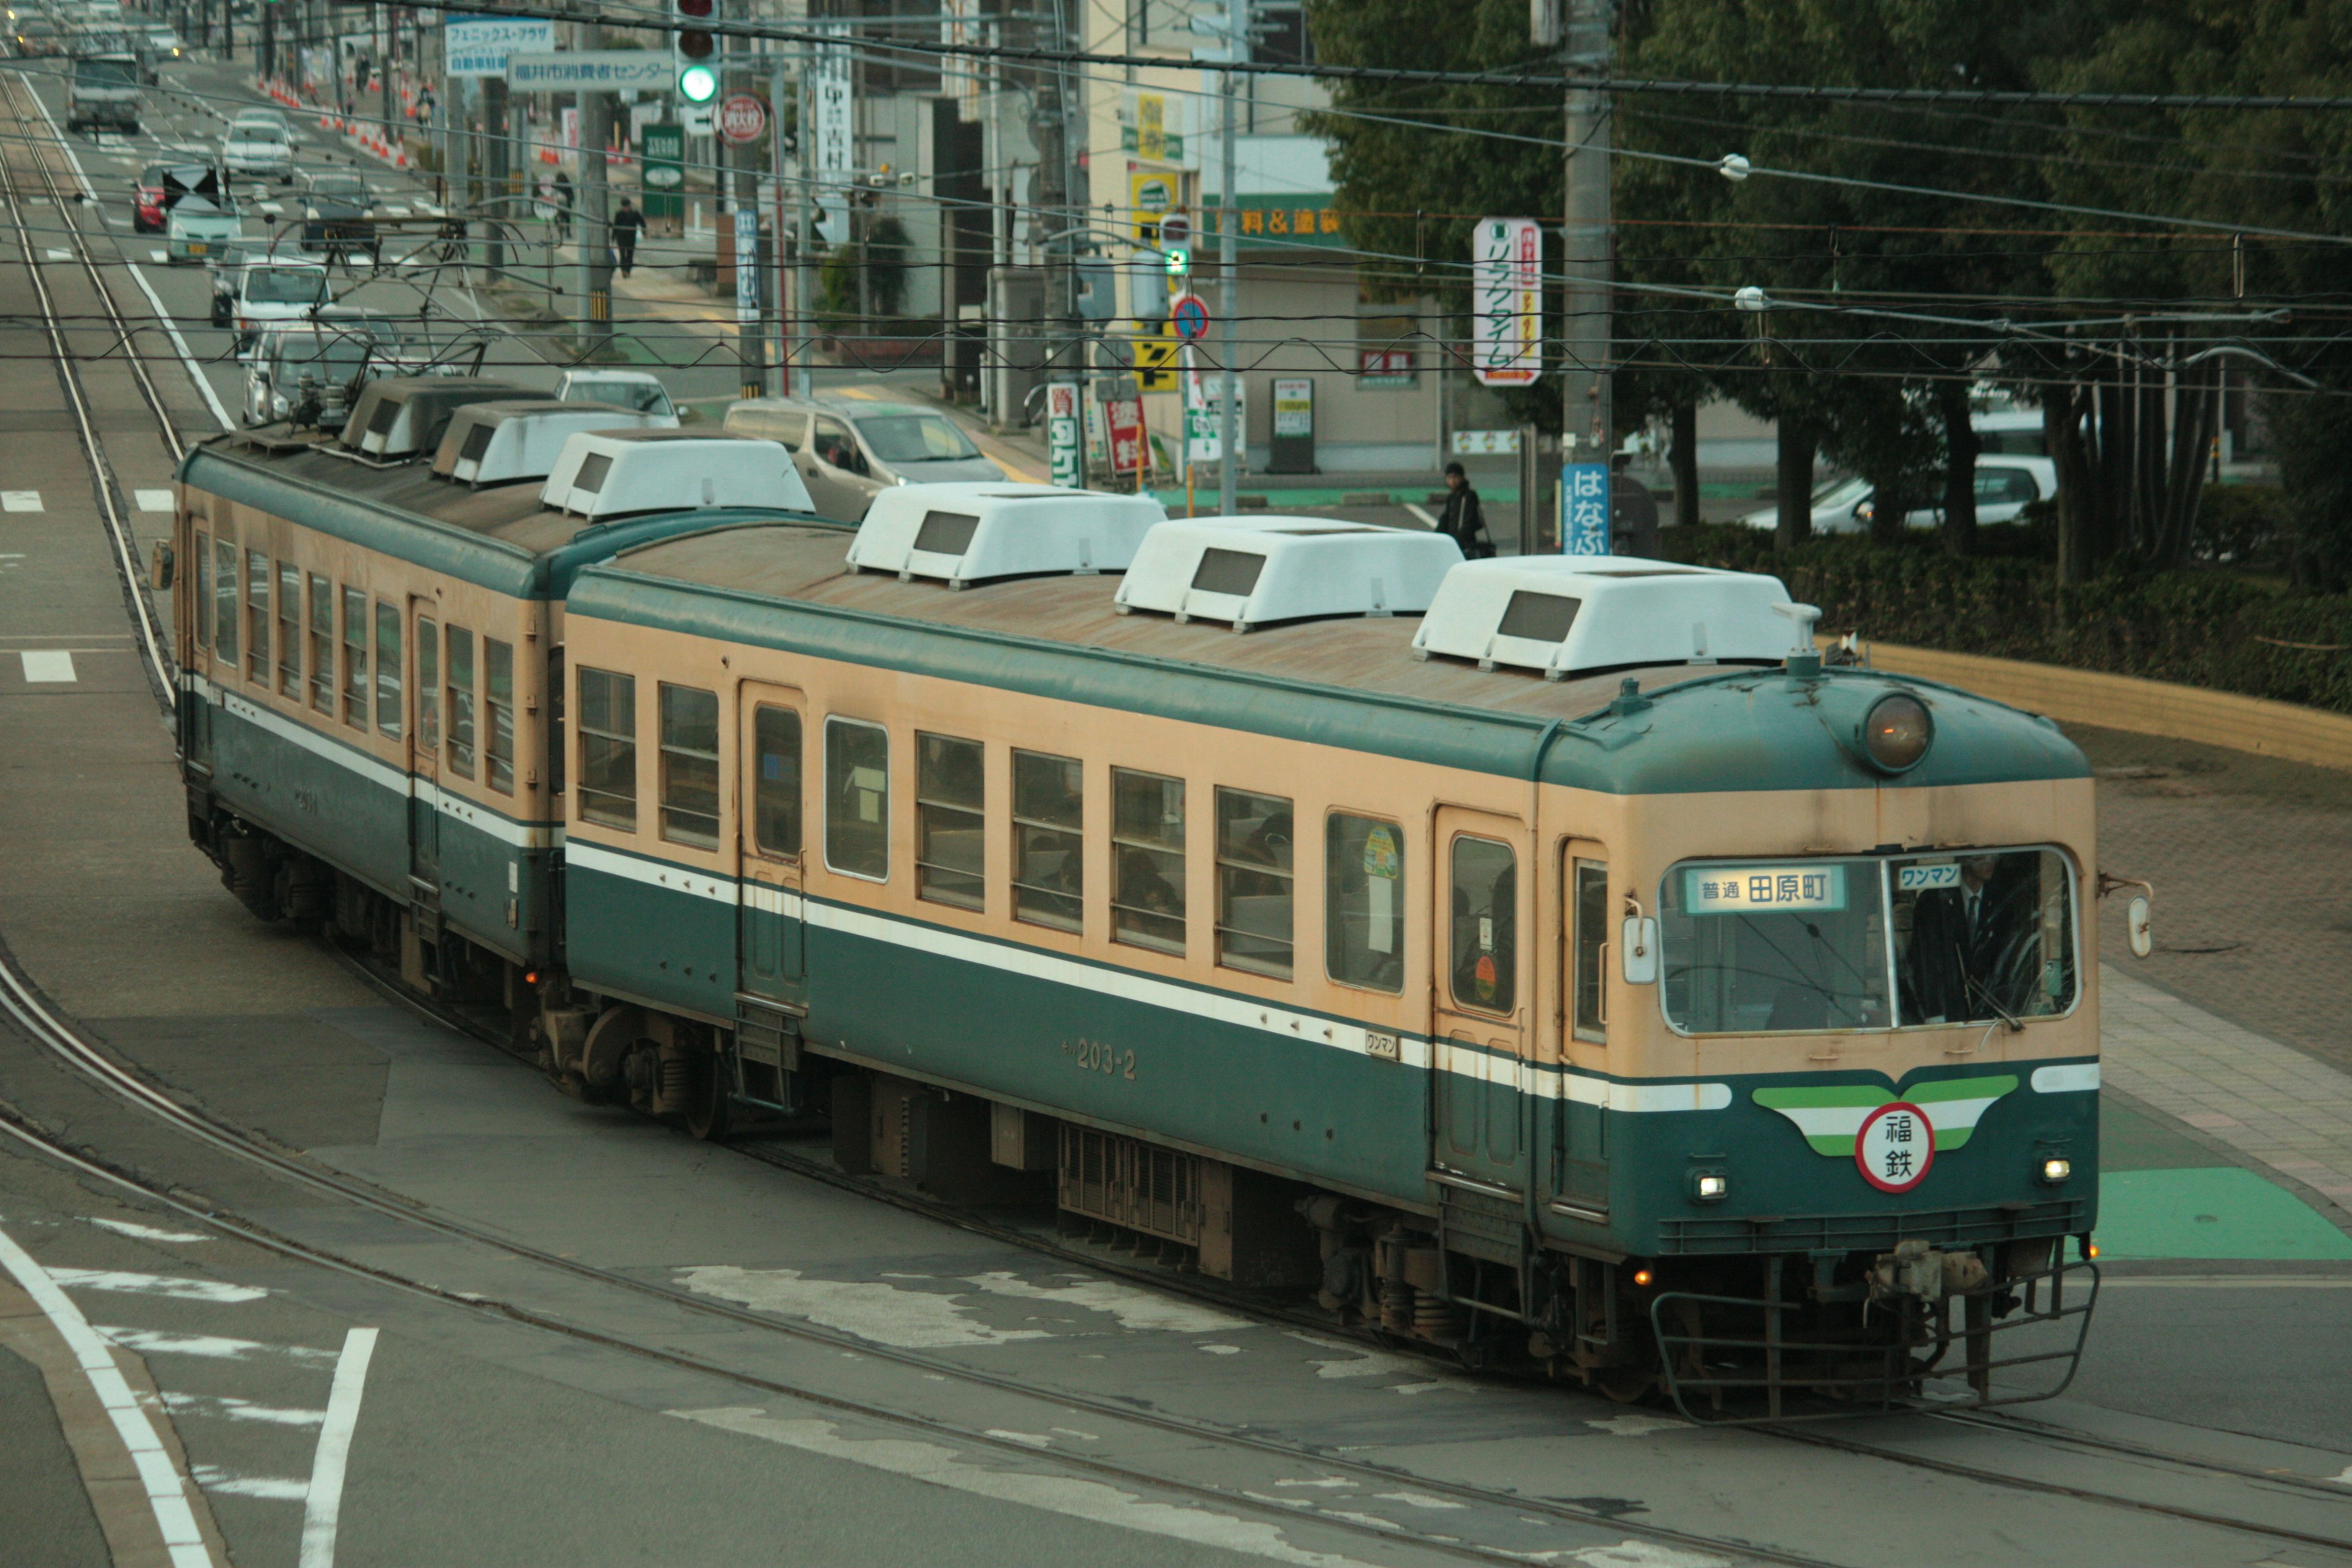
(38,37)
(199,226)
(2005,486)
(104,94)
(277,290)
(339,215)
(162,44)
(160,187)
(259,147)
(847,453)
(634,389)
(311,370)
(268,114)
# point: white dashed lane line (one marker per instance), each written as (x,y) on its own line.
(49,666)
(20,501)
(153,500)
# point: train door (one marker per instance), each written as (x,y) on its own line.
(770,951)
(1581,1148)
(1477,1029)
(425,752)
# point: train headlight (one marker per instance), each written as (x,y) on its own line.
(2056,1170)
(1897,732)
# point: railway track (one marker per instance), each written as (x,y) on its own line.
(58,1034)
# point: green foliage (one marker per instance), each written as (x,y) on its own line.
(884,252)
(2198,628)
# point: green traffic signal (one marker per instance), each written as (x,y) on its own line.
(1180,262)
(698,84)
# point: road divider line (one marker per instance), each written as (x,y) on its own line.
(166,1488)
(172,330)
(322,1507)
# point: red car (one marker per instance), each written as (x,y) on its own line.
(161,185)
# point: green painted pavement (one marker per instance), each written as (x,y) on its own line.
(2215,1212)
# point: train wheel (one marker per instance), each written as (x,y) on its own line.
(1625,1384)
(708,1111)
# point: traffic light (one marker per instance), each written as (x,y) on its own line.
(692,48)
(1180,262)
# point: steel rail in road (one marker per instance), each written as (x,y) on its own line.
(153,647)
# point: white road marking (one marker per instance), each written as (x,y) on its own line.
(20,501)
(324,1503)
(165,1487)
(1637,1426)
(153,500)
(1094,1500)
(171,331)
(54,254)
(146,1232)
(270,1489)
(1327,1483)
(159,256)
(910,1319)
(1133,1308)
(228,1408)
(1629,1555)
(2345,1479)
(179,1289)
(215,1347)
(50,664)
(1028,1440)
(1219,1350)
(1418,1499)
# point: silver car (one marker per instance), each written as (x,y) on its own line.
(847,452)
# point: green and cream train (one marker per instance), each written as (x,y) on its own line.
(1535,958)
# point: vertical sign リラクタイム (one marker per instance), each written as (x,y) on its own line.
(1507,302)
(1584,508)
(1062,435)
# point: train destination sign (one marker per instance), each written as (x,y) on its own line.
(1765,890)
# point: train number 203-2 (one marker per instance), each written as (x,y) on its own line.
(1092,1056)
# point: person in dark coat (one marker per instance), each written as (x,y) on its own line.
(563,206)
(1463,521)
(1960,937)
(627,224)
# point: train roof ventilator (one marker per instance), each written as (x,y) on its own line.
(973,533)
(401,416)
(1257,571)
(1570,615)
(606,474)
(501,443)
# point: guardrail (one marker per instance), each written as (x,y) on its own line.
(2256,724)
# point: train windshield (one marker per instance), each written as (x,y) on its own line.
(1869,943)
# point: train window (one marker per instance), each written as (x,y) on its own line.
(225,603)
(460,694)
(689,766)
(1982,936)
(950,797)
(355,658)
(1485,924)
(1146,848)
(204,590)
(1588,944)
(857,798)
(1254,883)
(428,684)
(388,667)
(1049,840)
(1759,947)
(498,715)
(776,780)
(608,749)
(290,630)
(1363,902)
(322,644)
(257,618)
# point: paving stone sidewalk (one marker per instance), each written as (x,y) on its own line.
(2275,1105)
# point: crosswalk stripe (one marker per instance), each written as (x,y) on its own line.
(48,665)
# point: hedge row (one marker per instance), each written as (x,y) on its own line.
(2198,628)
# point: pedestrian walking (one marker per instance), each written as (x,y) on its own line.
(1463,521)
(562,206)
(627,225)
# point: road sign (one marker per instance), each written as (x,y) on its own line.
(1191,318)
(1175,230)
(742,119)
(747,267)
(1155,361)
(1584,508)
(663,148)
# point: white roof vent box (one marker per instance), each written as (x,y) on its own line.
(605,474)
(1254,571)
(399,417)
(973,533)
(500,443)
(1580,615)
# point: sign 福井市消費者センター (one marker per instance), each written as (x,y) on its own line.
(591,70)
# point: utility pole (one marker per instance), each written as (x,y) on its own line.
(1049,129)
(1232,50)
(494,152)
(1586,421)
(595,210)
(794,308)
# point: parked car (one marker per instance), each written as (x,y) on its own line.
(339,215)
(278,290)
(198,226)
(635,389)
(160,187)
(2005,486)
(260,148)
(847,454)
(104,94)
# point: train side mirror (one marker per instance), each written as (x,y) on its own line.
(1639,944)
(165,570)
(2135,921)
